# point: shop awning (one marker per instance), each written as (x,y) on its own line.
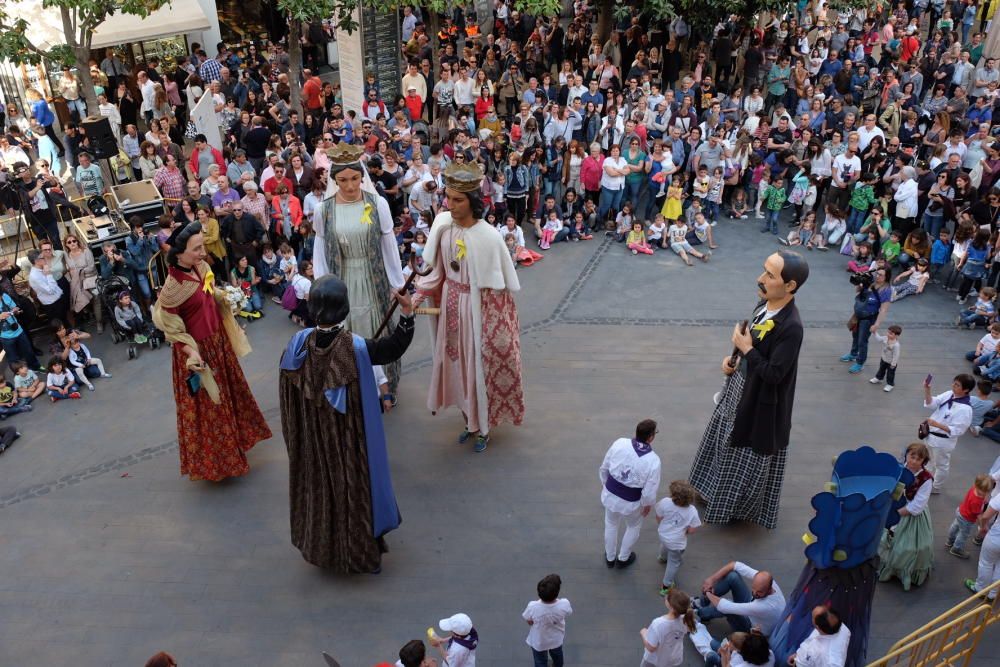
(178,17)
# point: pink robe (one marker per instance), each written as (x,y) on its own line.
(459,350)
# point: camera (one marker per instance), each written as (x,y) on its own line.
(864,280)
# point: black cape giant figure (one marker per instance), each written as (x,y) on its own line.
(740,464)
(340,493)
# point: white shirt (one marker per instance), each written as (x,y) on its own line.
(738,661)
(865,136)
(957,417)
(989,343)
(148,91)
(763,613)
(613,182)
(548,627)
(517,232)
(45,286)
(850,165)
(459,656)
(674,523)
(819,650)
(906,198)
(667,635)
(994,533)
(632,470)
(464,95)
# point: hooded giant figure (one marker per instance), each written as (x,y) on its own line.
(340,493)
(740,464)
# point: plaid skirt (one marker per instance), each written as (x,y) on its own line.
(738,484)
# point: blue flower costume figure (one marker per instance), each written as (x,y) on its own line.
(863,498)
(341,499)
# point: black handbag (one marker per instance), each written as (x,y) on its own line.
(923,430)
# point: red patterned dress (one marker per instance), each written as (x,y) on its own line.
(213,437)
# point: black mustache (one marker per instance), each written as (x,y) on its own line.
(761,287)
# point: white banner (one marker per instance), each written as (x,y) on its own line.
(203,116)
(352,66)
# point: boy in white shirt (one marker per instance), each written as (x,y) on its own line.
(890,357)
(677,518)
(547,618)
(986,348)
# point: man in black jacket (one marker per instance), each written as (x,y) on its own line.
(740,464)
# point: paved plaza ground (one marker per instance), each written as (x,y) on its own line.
(107,555)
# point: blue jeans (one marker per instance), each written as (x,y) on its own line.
(969,316)
(611,200)
(959,531)
(731,583)
(770,222)
(633,191)
(59,397)
(982,360)
(142,280)
(78,105)
(22,405)
(932,224)
(554,188)
(19,348)
(855,219)
(711,210)
(859,340)
(541,657)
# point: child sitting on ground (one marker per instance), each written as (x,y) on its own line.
(916,280)
(982,406)
(26,382)
(986,348)
(270,270)
(656,234)
(701,232)
(967,514)
(10,403)
(738,205)
(677,518)
(982,313)
(863,258)
(831,231)
(677,233)
(636,240)
(802,234)
(59,382)
(892,248)
(83,364)
(553,225)
(623,223)
(663,640)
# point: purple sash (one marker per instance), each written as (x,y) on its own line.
(469,641)
(626,493)
(641,448)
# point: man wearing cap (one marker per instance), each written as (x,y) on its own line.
(340,492)
(477,348)
(460,649)
(630,475)
(37,203)
(415,80)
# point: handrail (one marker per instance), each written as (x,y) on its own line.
(977,598)
(918,656)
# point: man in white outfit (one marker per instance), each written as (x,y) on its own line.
(951,418)
(827,645)
(630,475)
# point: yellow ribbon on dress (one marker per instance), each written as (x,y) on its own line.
(460,245)
(763,328)
(208,286)
(366,215)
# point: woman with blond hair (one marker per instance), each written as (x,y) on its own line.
(81,271)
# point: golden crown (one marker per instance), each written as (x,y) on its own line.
(345,154)
(463,177)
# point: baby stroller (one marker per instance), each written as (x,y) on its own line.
(108,292)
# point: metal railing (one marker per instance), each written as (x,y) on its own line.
(949,639)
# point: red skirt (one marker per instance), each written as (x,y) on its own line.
(214,437)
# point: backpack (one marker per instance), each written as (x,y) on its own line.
(288,299)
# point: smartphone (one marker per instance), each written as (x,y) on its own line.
(927,380)
(193,383)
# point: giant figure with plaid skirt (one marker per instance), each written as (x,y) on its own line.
(477,346)
(740,464)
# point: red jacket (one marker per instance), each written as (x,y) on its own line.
(216,155)
(294,211)
(591,170)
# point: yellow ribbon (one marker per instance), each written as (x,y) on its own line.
(209,285)
(366,215)
(763,328)
(460,244)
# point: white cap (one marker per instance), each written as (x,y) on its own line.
(459,624)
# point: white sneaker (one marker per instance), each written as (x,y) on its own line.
(976,430)
(106,375)
(90,387)
(875,381)
(887,388)
(743,217)
(759,216)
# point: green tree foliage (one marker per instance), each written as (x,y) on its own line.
(79,20)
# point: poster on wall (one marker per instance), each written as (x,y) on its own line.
(205,122)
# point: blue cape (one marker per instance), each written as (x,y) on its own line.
(385,511)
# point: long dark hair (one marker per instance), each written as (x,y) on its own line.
(179,242)
(476,204)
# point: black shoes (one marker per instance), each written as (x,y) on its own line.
(622,564)
(609,563)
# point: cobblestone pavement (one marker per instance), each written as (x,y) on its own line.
(107,555)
